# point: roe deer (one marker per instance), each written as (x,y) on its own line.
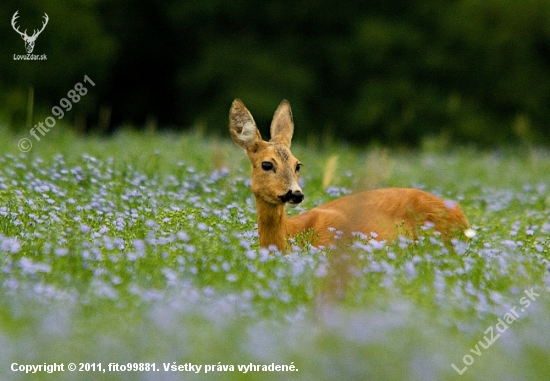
(275,172)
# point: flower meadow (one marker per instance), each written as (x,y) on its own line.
(143,249)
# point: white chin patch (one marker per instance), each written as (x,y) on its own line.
(292,205)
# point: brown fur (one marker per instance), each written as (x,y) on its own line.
(385,212)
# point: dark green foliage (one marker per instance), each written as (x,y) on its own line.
(392,71)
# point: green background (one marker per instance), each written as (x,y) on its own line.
(475,71)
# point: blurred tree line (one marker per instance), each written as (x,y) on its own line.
(391,71)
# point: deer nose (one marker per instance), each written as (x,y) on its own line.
(295,197)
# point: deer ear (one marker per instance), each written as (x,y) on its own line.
(282,125)
(242,126)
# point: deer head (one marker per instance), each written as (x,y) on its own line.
(29,40)
(275,171)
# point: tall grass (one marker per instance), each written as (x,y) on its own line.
(143,249)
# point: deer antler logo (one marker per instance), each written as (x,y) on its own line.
(29,40)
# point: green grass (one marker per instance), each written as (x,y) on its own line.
(143,249)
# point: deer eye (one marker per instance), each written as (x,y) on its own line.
(298,167)
(267,166)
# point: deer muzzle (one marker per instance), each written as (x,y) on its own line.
(293,198)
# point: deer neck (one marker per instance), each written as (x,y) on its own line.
(272,224)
